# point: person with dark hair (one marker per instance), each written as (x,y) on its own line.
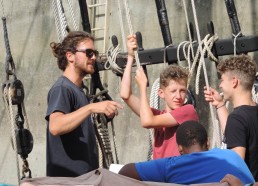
(173,90)
(240,127)
(71,142)
(196,165)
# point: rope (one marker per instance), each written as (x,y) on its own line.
(121,25)
(208,44)
(8,105)
(111,60)
(60,20)
(131,32)
(100,154)
(25,116)
(216,134)
(178,51)
(207,49)
(101,126)
(58,30)
(72,15)
(235,39)
(114,140)
(189,31)
(154,103)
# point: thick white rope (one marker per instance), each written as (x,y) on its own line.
(208,44)
(131,32)
(9,110)
(111,60)
(178,51)
(216,134)
(154,96)
(154,103)
(235,39)
(121,24)
(57,20)
(207,49)
(54,6)
(60,20)
(72,15)
(189,31)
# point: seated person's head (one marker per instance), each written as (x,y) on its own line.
(191,136)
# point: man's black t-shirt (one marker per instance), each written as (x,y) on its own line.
(74,153)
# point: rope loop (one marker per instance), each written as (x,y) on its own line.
(112,53)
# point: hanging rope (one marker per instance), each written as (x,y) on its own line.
(217,137)
(9,110)
(131,32)
(60,20)
(121,24)
(208,44)
(154,103)
(72,15)
(189,31)
(7,96)
(14,95)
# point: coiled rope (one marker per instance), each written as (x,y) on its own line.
(111,54)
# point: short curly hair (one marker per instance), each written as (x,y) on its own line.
(242,66)
(173,72)
(190,133)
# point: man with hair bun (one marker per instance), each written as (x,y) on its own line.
(71,142)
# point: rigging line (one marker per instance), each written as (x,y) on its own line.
(8,104)
(188,28)
(131,32)
(202,57)
(122,25)
(235,40)
(199,41)
(178,51)
(62,18)
(75,27)
(54,5)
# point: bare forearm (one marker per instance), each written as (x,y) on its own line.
(125,88)
(223,116)
(64,123)
(145,110)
